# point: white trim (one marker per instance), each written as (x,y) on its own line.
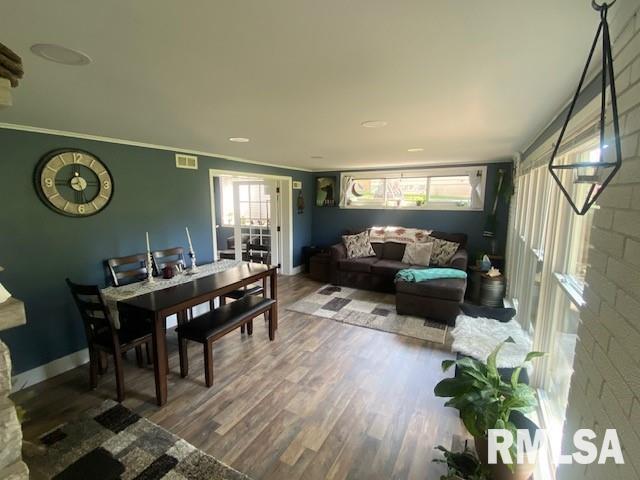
(287,206)
(100,138)
(295,270)
(49,370)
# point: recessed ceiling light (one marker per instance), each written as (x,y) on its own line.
(416,149)
(374,124)
(59,54)
(239,139)
(317,157)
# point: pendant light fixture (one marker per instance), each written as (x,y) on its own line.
(590,174)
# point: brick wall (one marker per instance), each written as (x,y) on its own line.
(605,389)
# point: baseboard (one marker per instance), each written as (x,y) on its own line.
(49,370)
(295,270)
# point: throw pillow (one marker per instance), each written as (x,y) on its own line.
(418,254)
(501,314)
(405,235)
(376,234)
(358,245)
(443,251)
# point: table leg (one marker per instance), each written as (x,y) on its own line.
(273,294)
(160,359)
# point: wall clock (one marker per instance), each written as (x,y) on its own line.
(73,182)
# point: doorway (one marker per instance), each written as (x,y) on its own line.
(251,218)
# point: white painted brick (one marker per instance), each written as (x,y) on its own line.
(627,222)
(597,260)
(629,172)
(632,252)
(629,368)
(635,199)
(616,196)
(613,379)
(605,288)
(596,328)
(592,300)
(635,71)
(621,329)
(606,241)
(628,99)
(626,277)
(629,146)
(632,122)
(603,218)
(628,307)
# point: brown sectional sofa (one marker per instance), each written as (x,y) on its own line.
(434,299)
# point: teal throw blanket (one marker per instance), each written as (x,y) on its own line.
(422,274)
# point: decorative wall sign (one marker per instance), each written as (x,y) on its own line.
(73,182)
(326,192)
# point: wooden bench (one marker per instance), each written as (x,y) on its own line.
(207,328)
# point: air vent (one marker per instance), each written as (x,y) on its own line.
(186,161)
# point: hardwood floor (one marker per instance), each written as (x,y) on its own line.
(324,400)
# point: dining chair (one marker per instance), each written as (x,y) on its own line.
(129,269)
(257,253)
(104,337)
(169,257)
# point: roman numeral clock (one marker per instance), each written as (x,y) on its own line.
(73,182)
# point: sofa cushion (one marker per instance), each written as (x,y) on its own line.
(444,288)
(358,245)
(418,253)
(388,268)
(378,248)
(357,264)
(393,251)
(459,238)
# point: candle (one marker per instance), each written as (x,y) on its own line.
(148,246)
(189,239)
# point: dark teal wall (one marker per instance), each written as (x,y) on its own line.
(39,248)
(329,223)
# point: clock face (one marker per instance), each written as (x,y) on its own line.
(73,183)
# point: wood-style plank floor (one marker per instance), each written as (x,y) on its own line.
(324,400)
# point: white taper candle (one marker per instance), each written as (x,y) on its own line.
(148,245)
(189,239)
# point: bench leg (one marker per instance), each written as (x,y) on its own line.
(117,362)
(94,360)
(147,347)
(250,327)
(103,362)
(139,358)
(208,364)
(183,351)
(272,326)
(242,328)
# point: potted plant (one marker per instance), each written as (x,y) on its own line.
(462,465)
(486,401)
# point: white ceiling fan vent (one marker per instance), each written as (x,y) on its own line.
(186,161)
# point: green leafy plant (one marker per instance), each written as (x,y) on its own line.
(485,401)
(462,465)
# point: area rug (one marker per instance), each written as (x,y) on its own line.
(112,442)
(368,309)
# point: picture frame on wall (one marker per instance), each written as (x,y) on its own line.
(326,191)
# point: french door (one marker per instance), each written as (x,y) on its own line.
(256,228)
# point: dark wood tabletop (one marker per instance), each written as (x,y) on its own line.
(200,288)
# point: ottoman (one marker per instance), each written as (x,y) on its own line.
(437,300)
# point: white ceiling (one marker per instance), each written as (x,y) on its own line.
(467,80)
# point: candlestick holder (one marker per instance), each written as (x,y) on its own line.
(150,278)
(192,256)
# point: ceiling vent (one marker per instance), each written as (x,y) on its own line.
(186,161)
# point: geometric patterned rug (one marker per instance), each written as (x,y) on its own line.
(363,308)
(112,442)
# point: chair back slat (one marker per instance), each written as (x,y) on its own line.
(258,253)
(93,310)
(169,257)
(129,269)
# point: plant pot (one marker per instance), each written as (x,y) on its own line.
(500,471)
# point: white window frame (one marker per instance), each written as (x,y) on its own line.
(418,173)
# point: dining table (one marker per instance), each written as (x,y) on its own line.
(160,300)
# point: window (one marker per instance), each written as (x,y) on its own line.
(435,189)
(547,256)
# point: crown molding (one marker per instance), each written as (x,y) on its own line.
(120,141)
